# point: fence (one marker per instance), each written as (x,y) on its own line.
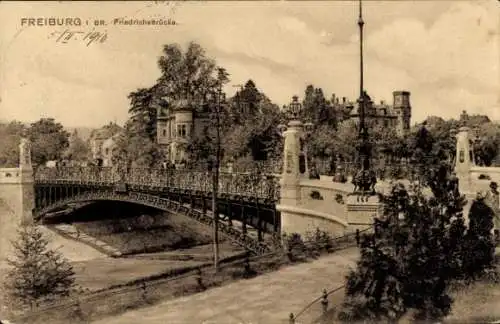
(327,297)
(90,306)
(176,283)
(323,302)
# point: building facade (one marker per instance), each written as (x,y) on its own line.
(397,115)
(177,124)
(102,143)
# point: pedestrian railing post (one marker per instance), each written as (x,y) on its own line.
(199,279)
(324,301)
(144,292)
(357,237)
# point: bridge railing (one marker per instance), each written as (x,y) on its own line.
(246,184)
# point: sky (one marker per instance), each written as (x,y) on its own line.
(446,53)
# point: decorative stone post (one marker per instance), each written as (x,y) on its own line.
(291,176)
(17,199)
(463,160)
(295,169)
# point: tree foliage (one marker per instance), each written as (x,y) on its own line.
(78,150)
(411,258)
(38,273)
(249,123)
(185,74)
(9,149)
(135,149)
(48,139)
(479,250)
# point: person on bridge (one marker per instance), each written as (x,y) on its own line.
(493,201)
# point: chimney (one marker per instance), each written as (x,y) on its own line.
(382,102)
(333,98)
(343,100)
(337,100)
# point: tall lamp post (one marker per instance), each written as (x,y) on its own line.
(220,97)
(364,181)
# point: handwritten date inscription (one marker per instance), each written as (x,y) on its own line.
(72,36)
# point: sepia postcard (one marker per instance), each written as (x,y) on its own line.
(257,162)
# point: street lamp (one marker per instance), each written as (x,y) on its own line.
(364,181)
(292,113)
(295,108)
(214,168)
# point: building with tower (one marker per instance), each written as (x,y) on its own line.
(177,123)
(397,115)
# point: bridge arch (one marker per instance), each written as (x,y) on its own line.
(160,203)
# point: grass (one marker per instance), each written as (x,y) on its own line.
(164,233)
(478,302)
(103,273)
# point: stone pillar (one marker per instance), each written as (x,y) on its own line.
(463,162)
(17,199)
(290,178)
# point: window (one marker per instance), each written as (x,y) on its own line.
(386,123)
(181,130)
(107,151)
(164,132)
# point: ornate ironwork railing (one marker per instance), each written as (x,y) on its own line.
(251,185)
(234,234)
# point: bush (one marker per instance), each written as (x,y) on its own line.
(37,273)
(479,248)
(407,264)
(318,242)
(295,247)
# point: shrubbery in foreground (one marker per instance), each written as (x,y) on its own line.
(416,251)
(37,273)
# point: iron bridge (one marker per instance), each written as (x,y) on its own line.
(245,199)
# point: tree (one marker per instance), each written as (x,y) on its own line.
(487,149)
(346,140)
(78,150)
(321,143)
(49,140)
(206,146)
(134,148)
(317,109)
(249,123)
(185,75)
(188,75)
(479,251)
(245,103)
(9,150)
(143,108)
(37,273)
(415,252)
